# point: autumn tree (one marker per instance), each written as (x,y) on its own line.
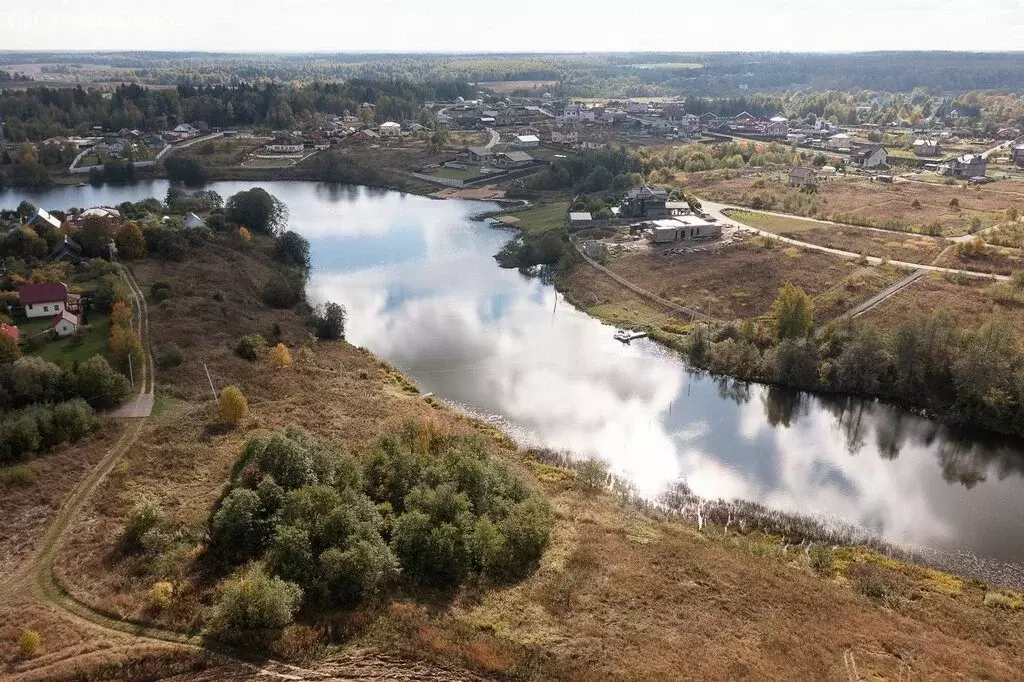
(233,405)
(794,312)
(280,356)
(126,352)
(120,315)
(131,243)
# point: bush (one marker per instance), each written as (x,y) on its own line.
(280,357)
(160,291)
(255,601)
(822,560)
(592,474)
(143,520)
(329,321)
(16,477)
(233,406)
(100,385)
(29,643)
(284,289)
(160,596)
(251,347)
(171,355)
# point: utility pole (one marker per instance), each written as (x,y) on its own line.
(131,371)
(210,379)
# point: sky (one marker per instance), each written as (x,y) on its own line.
(520,26)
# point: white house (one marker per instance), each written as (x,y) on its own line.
(43,217)
(390,129)
(186,129)
(527,141)
(43,300)
(924,147)
(840,141)
(284,145)
(64,324)
(871,156)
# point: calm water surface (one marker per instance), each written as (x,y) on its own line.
(423,291)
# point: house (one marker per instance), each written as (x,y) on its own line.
(367,136)
(777,126)
(803,177)
(529,130)
(10,331)
(870,156)
(1017,154)
(186,130)
(192,221)
(43,218)
(682,228)
(67,250)
(646,202)
(965,166)
(476,154)
(513,160)
(390,129)
(64,324)
(580,219)
(43,300)
(285,145)
(744,118)
(564,137)
(839,141)
(796,138)
(925,147)
(527,141)
(675,208)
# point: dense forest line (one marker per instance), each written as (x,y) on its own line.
(35,114)
(619,74)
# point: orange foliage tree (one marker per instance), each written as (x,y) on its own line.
(120,315)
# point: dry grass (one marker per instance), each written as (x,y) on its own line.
(857,200)
(884,244)
(995,259)
(738,281)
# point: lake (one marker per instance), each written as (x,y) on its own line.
(424,292)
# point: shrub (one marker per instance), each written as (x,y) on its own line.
(99,384)
(233,405)
(160,291)
(592,474)
(1003,601)
(280,357)
(16,477)
(251,347)
(29,643)
(142,521)
(329,321)
(160,596)
(254,601)
(822,560)
(171,355)
(284,289)
(9,351)
(867,579)
(306,357)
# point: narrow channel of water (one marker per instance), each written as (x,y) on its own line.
(424,292)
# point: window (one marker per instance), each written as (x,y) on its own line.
(46,308)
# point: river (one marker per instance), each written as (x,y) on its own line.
(424,292)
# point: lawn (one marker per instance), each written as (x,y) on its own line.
(68,350)
(543,217)
(456,174)
(893,245)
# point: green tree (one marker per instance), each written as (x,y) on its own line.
(258,210)
(329,321)
(292,249)
(255,600)
(794,312)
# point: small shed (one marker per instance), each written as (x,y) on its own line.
(192,221)
(580,218)
(64,324)
(527,141)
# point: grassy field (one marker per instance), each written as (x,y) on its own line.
(620,593)
(739,281)
(903,206)
(456,173)
(893,245)
(503,87)
(542,217)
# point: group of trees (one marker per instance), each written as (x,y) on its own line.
(43,405)
(969,375)
(420,510)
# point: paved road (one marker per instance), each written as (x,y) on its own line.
(717,211)
(495,138)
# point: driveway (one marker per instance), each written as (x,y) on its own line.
(495,138)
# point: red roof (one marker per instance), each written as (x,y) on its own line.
(10,331)
(31,294)
(64,315)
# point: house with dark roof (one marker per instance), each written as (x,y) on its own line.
(43,300)
(512,159)
(476,154)
(67,251)
(646,202)
(965,166)
(801,176)
(1017,154)
(870,156)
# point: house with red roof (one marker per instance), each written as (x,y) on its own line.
(64,324)
(43,300)
(10,331)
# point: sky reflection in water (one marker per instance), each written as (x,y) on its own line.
(424,292)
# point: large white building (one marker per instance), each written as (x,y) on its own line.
(390,129)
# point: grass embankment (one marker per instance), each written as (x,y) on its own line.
(893,245)
(456,173)
(621,593)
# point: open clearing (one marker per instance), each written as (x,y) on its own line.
(892,245)
(543,217)
(858,200)
(504,87)
(739,281)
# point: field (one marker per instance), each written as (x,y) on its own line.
(542,217)
(903,205)
(505,87)
(621,593)
(739,281)
(993,259)
(455,173)
(892,245)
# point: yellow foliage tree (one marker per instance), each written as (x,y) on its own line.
(124,344)
(29,643)
(120,315)
(280,356)
(244,234)
(233,405)
(130,241)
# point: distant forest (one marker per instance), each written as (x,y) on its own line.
(599,75)
(35,114)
